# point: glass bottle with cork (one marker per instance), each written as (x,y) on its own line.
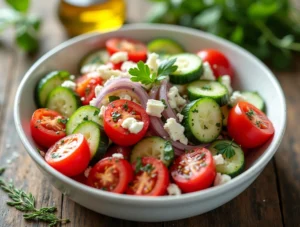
(82,16)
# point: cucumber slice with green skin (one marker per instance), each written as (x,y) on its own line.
(232,166)
(225,111)
(255,99)
(208,89)
(164,46)
(99,57)
(189,69)
(84,113)
(96,138)
(47,84)
(153,146)
(63,100)
(202,120)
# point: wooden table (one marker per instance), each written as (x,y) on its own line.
(272,200)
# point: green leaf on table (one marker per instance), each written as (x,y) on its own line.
(8,17)
(208,17)
(26,37)
(261,10)
(19,5)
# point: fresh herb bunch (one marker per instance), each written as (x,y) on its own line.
(270,29)
(26,26)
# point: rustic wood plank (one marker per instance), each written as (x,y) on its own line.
(288,156)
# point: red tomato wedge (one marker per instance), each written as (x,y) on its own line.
(116,149)
(70,155)
(151,178)
(137,51)
(194,171)
(219,64)
(85,87)
(115,113)
(249,126)
(111,174)
(47,127)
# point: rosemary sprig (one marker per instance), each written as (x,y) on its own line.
(25,202)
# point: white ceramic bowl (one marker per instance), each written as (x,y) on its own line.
(251,74)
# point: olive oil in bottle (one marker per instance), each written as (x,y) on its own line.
(82,16)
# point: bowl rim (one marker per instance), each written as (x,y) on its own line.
(128,199)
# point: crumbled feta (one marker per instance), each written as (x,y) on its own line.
(236,97)
(72,77)
(132,125)
(128,65)
(226,81)
(155,107)
(125,96)
(218,159)
(93,102)
(221,179)
(102,111)
(181,88)
(119,57)
(174,98)
(118,155)
(175,130)
(98,89)
(69,84)
(152,61)
(173,189)
(180,117)
(93,74)
(87,171)
(207,72)
(105,72)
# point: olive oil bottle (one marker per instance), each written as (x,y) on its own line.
(82,16)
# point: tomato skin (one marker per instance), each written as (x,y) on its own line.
(117,170)
(159,183)
(137,51)
(45,128)
(72,162)
(85,87)
(115,131)
(116,149)
(243,130)
(115,66)
(202,178)
(220,65)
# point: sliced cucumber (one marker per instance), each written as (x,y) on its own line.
(232,166)
(47,84)
(84,113)
(225,111)
(153,146)
(97,57)
(202,120)
(96,138)
(255,99)
(210,89)
(189,68)
(63,100)
(165,46)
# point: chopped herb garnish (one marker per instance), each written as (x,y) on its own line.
(113,98)
(168,151)
(54,155)
(250,114)
(115,116)
(96,112)
(147,168)
(125,106)
(86,118)
(87,91)
(164,102)
(62,120)
(138,165)
(206,87)
(218,124)
(62,141)
(195,111)
(226,148)
(205,127)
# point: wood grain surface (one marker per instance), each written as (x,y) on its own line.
(272,200)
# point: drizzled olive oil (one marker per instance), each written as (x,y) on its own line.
(82,16)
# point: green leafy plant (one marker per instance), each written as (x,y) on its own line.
(26,26)
(270,29)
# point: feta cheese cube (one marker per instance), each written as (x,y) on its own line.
(155,107)
(128,65)
(180,117)
(98,89)
(93,74)
(118,155)
(174,98)
(132,125)
(102,111)
(93,102)
(218,159)
(236,97)
(119,57)
(152,61)
(226,81)
(173,189)
(207,72)
(69,84)
(221,179)
(175,131)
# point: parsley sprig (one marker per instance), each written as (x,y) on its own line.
(226,148)
(143,74)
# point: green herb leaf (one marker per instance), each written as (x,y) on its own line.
(26,37)
(113,98)
(19,5)
(147,168)
(115,116)
(226,148)
(165,103)
(96,113)
(168,151)
(260,10)
(62,120)
(138,165)
(165,68)
(142,74)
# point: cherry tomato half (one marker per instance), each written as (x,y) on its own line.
(151,178)
(137,51)
(249,126)
(70,155)
(85,87)
(111,174)
(194,171)
(116,149)
(47,127)
(115,113)
(219,64)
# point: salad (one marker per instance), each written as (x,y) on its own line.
(148,119)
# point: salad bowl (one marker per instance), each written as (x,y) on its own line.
(250,74)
